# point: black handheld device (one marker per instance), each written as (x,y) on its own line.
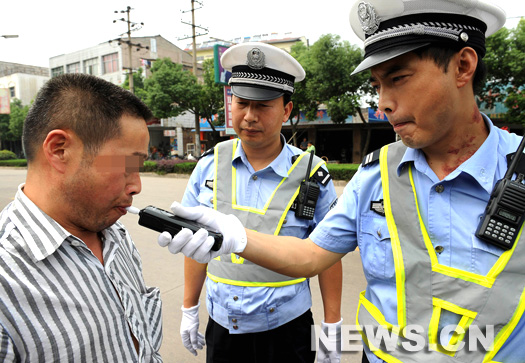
(505,211)
(160,220)
(308,195)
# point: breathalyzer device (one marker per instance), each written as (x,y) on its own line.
(163,221)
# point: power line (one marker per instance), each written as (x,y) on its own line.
(132,26)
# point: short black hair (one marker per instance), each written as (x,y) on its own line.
(88,105)
(441,55)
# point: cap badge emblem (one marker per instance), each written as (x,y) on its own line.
(255,58)
(368,18)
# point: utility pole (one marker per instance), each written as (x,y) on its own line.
(193,36)
(135,26)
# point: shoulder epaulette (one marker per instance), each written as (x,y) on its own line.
(520,168)
(371,158)
(207,152)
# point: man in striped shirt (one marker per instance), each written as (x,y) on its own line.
(71,283)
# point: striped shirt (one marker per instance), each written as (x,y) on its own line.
(58,303)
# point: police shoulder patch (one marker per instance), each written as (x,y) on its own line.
(207,152)
(371,157)
(322,176)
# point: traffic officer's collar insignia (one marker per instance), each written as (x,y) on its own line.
(368,18)
(378,207)
(255,58)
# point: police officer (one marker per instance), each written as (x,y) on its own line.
(414,207)
(257,315)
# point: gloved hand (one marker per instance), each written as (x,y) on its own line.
(333,332)
(198,245)
(189,329)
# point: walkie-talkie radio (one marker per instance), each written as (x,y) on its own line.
(505,211)
(163,221)
(308,195)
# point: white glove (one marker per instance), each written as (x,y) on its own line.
(333,331)
(198,245)
(189,329)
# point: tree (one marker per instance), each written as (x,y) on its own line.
(138,84)
(505,60)
(329,63)
(171,90)
(211,99)
(12,125)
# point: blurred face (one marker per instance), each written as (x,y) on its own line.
(98,191)
(258,123)
(419,99)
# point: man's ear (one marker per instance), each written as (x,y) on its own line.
(466,64)
(56,149)
(287,111)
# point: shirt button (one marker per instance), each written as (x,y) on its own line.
(211,200)
(235,298)
(379,232)
(284,221)
(272,310)
(439,249)
(235,327)
(75,243)
(440,188)
(234,320)
(254,177)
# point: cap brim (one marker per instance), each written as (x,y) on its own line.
(256,93)
(386,55)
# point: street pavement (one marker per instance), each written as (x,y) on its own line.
(165,270)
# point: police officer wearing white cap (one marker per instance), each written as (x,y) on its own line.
(436,291)
(257,315)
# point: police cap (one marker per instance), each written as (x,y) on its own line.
(261,71)
(390,28)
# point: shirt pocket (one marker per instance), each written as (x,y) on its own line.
(206,198)
(375,248)
(153,310)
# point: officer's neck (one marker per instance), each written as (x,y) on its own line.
(260,156)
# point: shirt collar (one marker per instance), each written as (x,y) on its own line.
(481,166)
(42,234)
(279,165)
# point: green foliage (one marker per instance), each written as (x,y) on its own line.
(138,84)
(7,155)
(177,166)
(15,162)
(17,117)
(342,171)
(171,90)
(505,62)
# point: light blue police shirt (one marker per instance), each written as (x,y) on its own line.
(257,309)
(451,213)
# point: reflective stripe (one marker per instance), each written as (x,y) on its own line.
(425,288)
(229,269)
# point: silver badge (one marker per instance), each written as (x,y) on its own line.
(255,58)
(464,36)
(368,18)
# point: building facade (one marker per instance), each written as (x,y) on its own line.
(22,81)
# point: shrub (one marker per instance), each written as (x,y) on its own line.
(7,155)
(15,162)
(178,166)
(342,171)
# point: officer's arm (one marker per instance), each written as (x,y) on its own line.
(288,255)
(194,276)
(331,285)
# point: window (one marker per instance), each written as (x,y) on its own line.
(110,63)
(57,71)
(73,68)
(91,66)
(12,92)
